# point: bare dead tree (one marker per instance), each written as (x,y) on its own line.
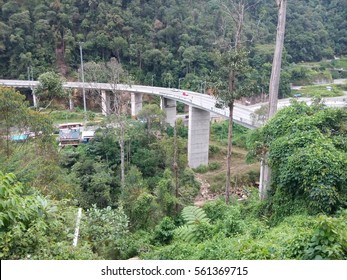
(111,73)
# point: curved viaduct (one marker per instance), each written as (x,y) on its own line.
(200,108)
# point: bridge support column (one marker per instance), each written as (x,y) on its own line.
(136,103)
(34,98)
(169,107)
(198,137)
(105,103)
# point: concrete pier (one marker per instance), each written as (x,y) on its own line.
(105,103)
(198,137)
(136,103)
(169,107)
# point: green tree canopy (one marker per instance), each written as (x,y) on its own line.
(50,87)
(307,154)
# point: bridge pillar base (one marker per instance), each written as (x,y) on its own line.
(136,104)
(34,99)
(169,107)
(105,103)
(198,137)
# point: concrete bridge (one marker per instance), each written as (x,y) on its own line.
(200,108)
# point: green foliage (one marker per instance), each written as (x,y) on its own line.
(165,146)
(181,129)
(167,41)
(220,133)
(50,86)
(165,194)
(201,169)
(236,232)
(227,219)
(233,62)
(96,182)
(137,200)
(14,113)
(164,231)
(327,241)
(307,167)
(188,187)
(193,215)
(319,91)
(104,228)
(148,161)
(215,210)
(214,166)
(213,150)
(32,227)
(304,74)
(152,115)
(134,244)
(196,227)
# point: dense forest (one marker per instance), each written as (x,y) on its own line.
(165,40)
(132,181)
(151,215)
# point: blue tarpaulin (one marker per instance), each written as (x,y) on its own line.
(19,137)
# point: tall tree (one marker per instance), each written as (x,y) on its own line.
(50,87)
(152,115)
(13,111)
(112,73)
(265,172)
(233,80)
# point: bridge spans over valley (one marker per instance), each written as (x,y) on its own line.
(200,108)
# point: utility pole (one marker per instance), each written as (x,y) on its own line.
(277,60)
(203,83)
(179,82)
(31,78)
(82,76)
(265,171)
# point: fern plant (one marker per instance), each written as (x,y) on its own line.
(193,215)
(197,226)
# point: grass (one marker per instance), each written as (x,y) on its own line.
(242,174)
(340,63)
(78,116)
(320,91)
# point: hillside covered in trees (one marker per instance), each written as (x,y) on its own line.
(132,181)
(151,215)
(163,39)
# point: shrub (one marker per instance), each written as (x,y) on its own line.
(164,231)
(197,226)
(104,227)
(201,169)
(133,245)
(329,240)
(215,210)
(326,239)
(213,150)
(214,166)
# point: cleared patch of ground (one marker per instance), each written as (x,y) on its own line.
(244,176)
